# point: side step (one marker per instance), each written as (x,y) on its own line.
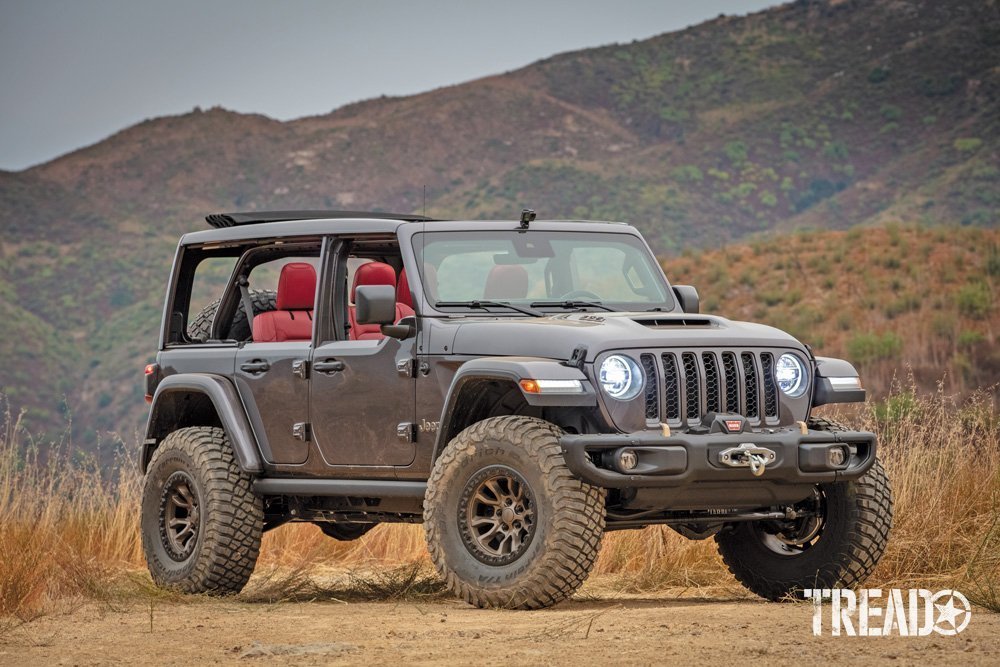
(364,488)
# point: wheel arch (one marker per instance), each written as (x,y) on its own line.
(200,399)
(489,387)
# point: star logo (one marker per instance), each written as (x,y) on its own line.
(951,618)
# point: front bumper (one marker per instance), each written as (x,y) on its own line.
(686,459)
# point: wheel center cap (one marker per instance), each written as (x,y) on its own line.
(507,515)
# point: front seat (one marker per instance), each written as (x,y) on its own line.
(293,318)
(506,281)
(373,273)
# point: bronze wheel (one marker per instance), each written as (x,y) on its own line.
(499,519)
(179,516)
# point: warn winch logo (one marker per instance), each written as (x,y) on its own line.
(734,425)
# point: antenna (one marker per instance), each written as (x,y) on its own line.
(425,201)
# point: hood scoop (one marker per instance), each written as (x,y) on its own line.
(677,322)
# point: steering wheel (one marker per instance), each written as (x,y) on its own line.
(579,294)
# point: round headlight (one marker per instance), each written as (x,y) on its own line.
(620,377)
(790,374)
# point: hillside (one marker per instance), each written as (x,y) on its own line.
(813,115)
(896,300)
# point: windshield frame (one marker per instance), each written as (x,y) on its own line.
(418,238)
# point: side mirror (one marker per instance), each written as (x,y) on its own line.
(375,304)
(687,296)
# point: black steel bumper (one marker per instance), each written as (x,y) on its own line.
(684,459)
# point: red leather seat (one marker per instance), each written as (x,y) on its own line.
(374,273)
(506,281)
(403,295)
(293,318)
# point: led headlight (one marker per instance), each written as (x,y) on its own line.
(620,377)
(790,374)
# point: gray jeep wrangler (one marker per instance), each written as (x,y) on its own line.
(519,387)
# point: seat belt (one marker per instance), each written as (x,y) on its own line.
(247,301)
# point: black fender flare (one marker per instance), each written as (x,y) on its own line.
(512,369)
(163,415)
(824,392)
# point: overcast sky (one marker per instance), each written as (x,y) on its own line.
(73,72)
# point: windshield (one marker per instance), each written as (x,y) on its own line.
(540,269)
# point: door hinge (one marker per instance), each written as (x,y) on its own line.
(302,431)
(406,368)
(300,368)
(407,432)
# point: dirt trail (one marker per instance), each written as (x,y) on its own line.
(593,629)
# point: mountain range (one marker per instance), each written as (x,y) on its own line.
(821,115)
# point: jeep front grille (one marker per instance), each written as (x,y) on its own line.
(689,384)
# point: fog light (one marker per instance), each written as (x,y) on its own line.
(836,456)
(628,459)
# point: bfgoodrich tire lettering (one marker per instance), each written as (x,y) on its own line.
(568,516)
(220,556)
(857,521)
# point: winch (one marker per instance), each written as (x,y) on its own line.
(748,455)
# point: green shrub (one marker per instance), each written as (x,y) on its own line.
(974,301)
(736,151)
(891,112)
(878,75)
(967,144)
(687,173)
(869,347)
(970,338)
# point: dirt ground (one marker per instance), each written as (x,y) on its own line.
(597,627)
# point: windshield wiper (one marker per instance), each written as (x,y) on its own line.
(573,304)
(480,304)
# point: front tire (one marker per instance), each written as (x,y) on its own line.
(201,520)
(776,561)
(507,524)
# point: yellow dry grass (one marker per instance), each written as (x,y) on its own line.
(70,532)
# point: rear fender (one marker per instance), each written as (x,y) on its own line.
(200,399)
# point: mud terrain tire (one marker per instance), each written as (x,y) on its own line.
(194,484)
(263,300)
(856,527)
(566,516)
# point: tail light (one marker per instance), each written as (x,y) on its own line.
(152,373)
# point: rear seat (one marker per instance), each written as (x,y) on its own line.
(293,318)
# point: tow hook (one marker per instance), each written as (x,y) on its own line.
(748,455)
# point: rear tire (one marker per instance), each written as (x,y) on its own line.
(200,328)
(506,522)
(201,520)
(857,518)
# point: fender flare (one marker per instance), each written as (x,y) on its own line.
(824,392)
(228,407)
(512,369)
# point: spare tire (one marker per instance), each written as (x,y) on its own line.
(200,328)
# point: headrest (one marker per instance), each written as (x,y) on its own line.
(296,287)
(506,281)
(373,273)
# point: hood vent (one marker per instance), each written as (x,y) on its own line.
(676,322)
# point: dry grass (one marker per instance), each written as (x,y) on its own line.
(69,533)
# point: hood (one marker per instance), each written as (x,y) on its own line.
(556,336)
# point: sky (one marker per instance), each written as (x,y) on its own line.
(73,72)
